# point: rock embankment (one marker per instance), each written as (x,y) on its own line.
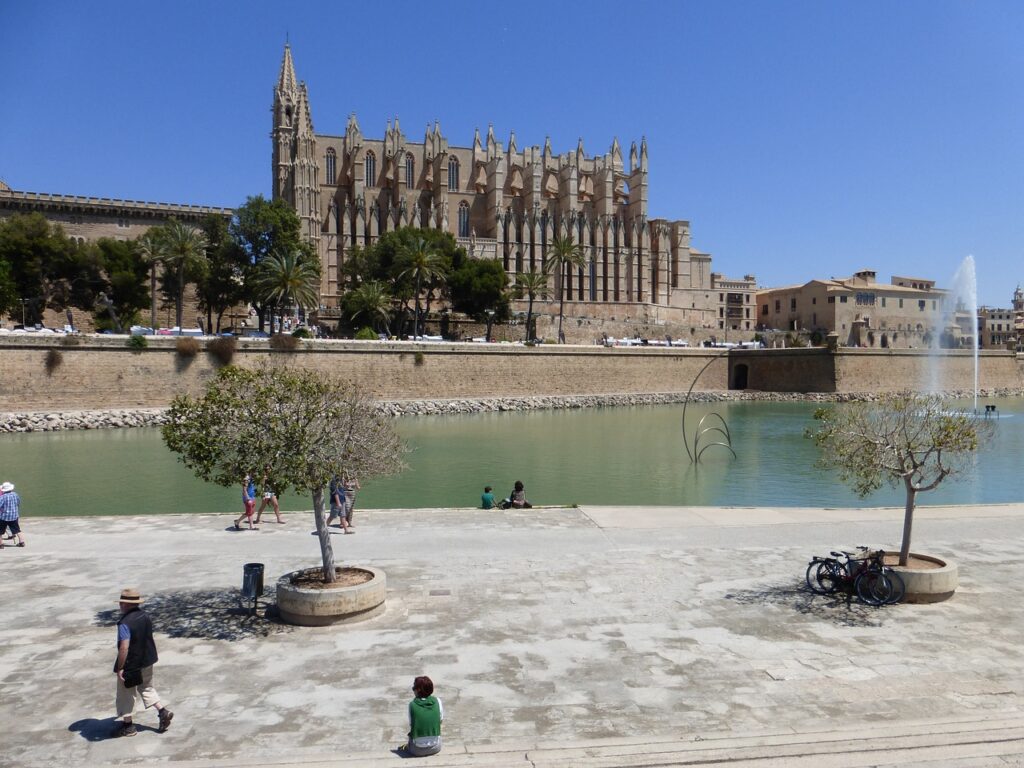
(47,421)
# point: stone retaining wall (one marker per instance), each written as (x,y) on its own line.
(150,417)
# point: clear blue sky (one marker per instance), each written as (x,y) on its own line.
(801,139)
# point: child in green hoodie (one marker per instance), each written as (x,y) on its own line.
(425,716)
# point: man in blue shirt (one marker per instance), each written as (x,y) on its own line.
(10,512)
(136,655)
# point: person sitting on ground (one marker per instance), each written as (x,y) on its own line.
(517,499)
(426,713)
(487,500)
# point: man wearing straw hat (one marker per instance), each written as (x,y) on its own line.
(136,655)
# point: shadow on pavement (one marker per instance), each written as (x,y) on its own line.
(92,729)
(213,614)
(838,608)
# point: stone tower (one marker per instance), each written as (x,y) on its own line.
(296,175)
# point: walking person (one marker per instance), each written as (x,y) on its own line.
(337,500)
(269,497)
(10,514)
(351,485)
(136,655)
(426,713)
(248,501)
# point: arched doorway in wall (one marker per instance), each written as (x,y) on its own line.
(740,374)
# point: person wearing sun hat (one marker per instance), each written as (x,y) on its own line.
(10,513)
(136,655)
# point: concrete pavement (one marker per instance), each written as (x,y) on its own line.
(605,636)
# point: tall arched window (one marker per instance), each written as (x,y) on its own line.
(371,169)
(453,173)
(463,219)
(331,164)
(410,171)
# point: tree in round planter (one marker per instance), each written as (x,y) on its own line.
(303,427)
(907,439)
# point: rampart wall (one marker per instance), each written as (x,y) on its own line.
(101,373)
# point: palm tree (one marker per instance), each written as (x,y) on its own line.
(372,300)
(184,250)
(564,254)
(423,264)
(286,277)
(151,247)
(531,283)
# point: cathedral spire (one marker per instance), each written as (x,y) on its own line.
(287,80)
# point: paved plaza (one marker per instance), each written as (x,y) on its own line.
(556,637)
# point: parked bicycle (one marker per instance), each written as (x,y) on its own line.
(862,572)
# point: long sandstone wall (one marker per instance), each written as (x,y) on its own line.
(101,373)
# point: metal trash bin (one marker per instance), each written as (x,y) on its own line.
(252,580)
(252,583)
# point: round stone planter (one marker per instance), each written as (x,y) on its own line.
(309,607)
(928,585)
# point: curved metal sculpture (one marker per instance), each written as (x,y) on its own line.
(701,430)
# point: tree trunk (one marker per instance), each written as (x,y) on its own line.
(179,305)
(326,550)
(561,303)
(152,297)
(908,522)
(529,316)
(416,316)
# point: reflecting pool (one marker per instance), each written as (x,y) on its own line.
(631,456)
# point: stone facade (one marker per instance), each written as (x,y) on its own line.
(499,200)
(905,313)
(996,328)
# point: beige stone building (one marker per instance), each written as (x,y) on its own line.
(906,312)
(90,218)
(501,201)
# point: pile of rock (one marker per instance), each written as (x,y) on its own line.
(55,422)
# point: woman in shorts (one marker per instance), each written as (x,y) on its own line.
(269,497)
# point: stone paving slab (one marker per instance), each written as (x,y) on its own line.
(544,630)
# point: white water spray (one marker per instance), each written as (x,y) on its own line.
(962,300)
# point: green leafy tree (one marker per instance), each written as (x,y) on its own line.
(8,289)
(125,270)
(261,227)
(564,254)
(421,263)
(221,286)
(476,285)
(287,278)
(150,247)
(303,426)
(370,303)
(912,440)
(531,284)
(184,255)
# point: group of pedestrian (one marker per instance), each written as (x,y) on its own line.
(342,491)
(515,500)
(249,493)
(10,515)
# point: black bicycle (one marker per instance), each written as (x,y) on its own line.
(862,572)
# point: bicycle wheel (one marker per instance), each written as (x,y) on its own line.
(899,589)
(831,576)
(812,577)
(873,588)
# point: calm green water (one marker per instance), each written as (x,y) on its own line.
(596,456)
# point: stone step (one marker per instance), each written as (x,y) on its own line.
(966,743)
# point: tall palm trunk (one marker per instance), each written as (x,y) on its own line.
(561,302)
(180,299)
(152,296)
(529,316)
(416,316)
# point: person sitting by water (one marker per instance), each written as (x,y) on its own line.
(487,499)
(426,713)
(517,499)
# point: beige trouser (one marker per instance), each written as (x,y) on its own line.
(126,696)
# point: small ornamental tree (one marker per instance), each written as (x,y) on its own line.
(914,440)
(300,425)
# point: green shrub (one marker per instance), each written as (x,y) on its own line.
(280,342)
(70,340)
(367,334)
(222,349)
(187,346)
(302,333)
(418,359)
(53,360)
(136,342)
